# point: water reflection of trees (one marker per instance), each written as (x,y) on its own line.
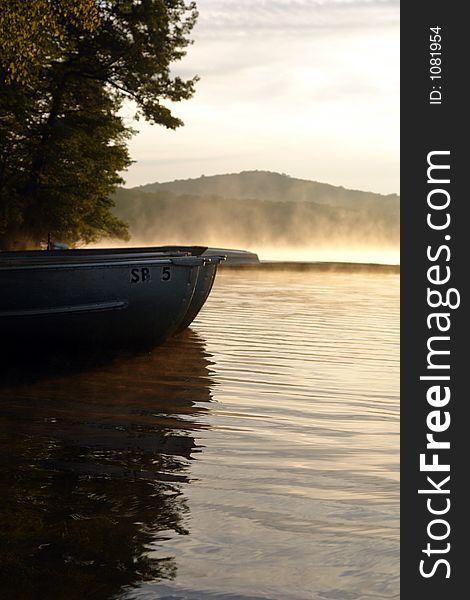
(94,462)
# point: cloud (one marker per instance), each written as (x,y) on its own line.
(304,87)
(243,17)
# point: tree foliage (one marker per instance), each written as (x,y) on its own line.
(63,142)
(30,31)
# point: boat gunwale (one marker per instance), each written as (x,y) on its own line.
(195,251)
(177,261)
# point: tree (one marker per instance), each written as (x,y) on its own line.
(29,31)
(62,140)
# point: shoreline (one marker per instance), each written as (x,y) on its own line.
(323,266)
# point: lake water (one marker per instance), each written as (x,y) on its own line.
(254,456)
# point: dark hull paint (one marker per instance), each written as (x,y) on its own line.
(83,297)
(202,290)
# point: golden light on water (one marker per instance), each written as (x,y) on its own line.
(386,256)
(264,441)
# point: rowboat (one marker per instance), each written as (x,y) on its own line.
(112,296)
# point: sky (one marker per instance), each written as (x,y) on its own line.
(304,87)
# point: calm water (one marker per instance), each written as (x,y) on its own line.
(255,456)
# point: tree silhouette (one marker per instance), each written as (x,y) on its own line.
(63,141)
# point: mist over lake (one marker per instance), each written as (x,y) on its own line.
(275,215)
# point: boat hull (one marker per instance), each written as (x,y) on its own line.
(202,290)
(143,300)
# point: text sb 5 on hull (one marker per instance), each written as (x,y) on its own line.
(111,296)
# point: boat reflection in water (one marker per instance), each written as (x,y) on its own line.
(93,467)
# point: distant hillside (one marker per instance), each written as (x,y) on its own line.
(273,187)
(254,209)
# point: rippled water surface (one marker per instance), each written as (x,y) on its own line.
(254,456)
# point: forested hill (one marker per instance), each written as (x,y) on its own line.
(274,187)
(254,209)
